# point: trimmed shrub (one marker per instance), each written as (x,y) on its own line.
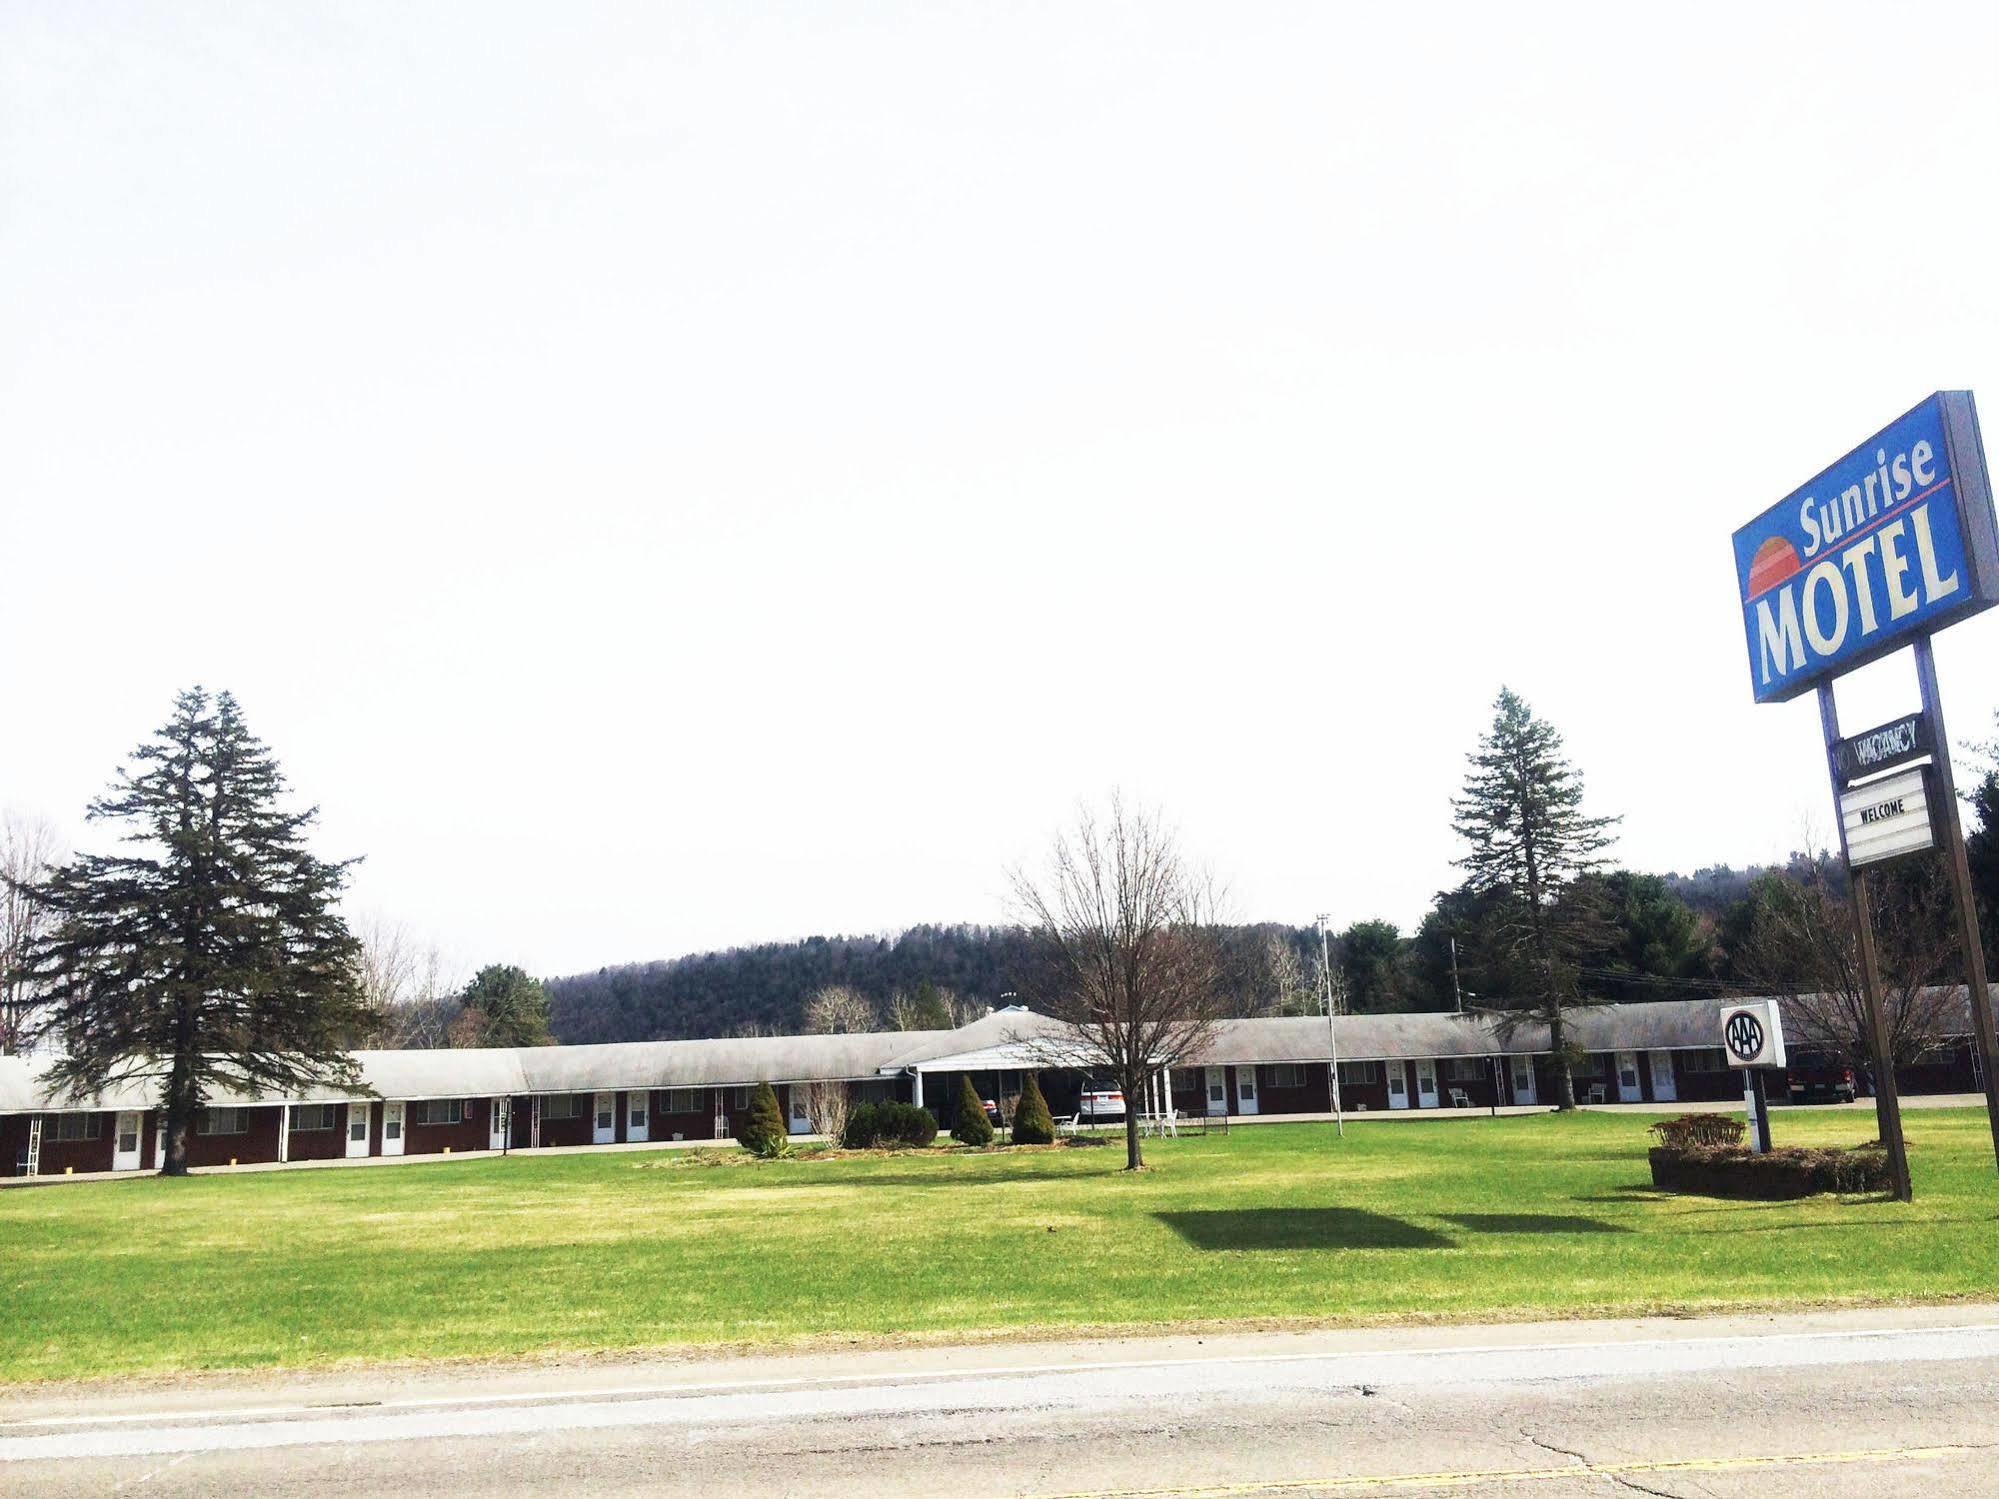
(1032,1123)
(1730,1171)
(971,1127)
(888,1126)
(762,1131)
(906,1124)
(862,1126)
(1700,1132)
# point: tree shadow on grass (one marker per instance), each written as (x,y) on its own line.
(1300,1228)
(1630,1194)
(1532,1223)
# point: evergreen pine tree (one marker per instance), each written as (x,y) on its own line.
(511,1007)
(1032,1123)
(972,1126)
(762,1131)
(209,956)
(930,1011)
(1521,813)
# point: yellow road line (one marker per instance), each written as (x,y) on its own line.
(1349,1484)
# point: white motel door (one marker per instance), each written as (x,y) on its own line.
(125,1149)
(357,1129)
(1426,1084)
(638,1123)
(801,1121)
(496,1124)
(1218,1091)
(1398,1085)
(1523,1081)
(1245,1090)
(1628,1090)
(1664,1089)
(605,1123)
(392,1128)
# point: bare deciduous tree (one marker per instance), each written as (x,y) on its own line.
(1802,949)
(29,850)
(827,1106)
(409,984)
(838,1010)
(1128,958)
(1286,983)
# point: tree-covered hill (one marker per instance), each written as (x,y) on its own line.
(1661,937)
(764,989)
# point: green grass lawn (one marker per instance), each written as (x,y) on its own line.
(1466,1218)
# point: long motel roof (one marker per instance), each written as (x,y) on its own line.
(1006,1039)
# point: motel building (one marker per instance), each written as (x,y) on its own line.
(472,1102)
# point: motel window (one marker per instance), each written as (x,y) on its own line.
(77,1126)
(681,1101)
(441,1111)
(1359,1074)
(1704,1059)
(560,1106)
(222,1122)
(1287,1075)
(740,1097)
(1464,1070)
(311,1116)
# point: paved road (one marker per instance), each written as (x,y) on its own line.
(1881,1404)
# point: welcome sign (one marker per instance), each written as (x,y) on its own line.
(1895,539)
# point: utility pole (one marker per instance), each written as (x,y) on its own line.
(1332,1033)
(1492,1068)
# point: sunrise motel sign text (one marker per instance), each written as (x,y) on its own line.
(1893,540)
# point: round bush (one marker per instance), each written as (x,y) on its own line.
(863,1125)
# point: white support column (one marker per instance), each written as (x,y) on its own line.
(916,1088)
(284,1132)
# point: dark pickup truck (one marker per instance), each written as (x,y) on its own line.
(1814,1078)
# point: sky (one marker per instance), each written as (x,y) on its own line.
(669,476)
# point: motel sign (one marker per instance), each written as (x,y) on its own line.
(1893,540)
(1883,548)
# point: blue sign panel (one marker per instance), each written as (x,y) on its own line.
(1894,540)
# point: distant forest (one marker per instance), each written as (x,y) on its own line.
(1668,936)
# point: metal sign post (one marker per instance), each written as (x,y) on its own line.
(1753,1034)
(1757,1104)
(1960,879)
(1887,1100)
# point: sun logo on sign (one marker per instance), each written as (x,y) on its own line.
(1744,1034)
(1775,561)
